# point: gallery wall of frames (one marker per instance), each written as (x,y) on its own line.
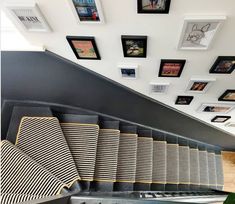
(197,33)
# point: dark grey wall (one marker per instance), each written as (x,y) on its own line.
(43,76)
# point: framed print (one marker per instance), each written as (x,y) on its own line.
(223,65)
(154,6)
(228,95)
(171,68)
(159,88)
(220,119)
(198,32)
(84,47)
(134,46)
(184,100)
(215,108)
(87,11)
(199,85)
(128,71)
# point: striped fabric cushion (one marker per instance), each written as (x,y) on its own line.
(184,167)
(8,198)
(159,162)
(212,169)
(82,140)
(172,164)
(203,164)
(44,134)
(22,175)
(107,155)
(144,160)
(194,167)
(219,171)
(126,167)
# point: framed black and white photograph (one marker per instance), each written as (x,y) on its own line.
(220,119)
(134,46)
(198,32)
(197,85)
(84,47)
(184,100)
(171,68)
(128,71)
(154,6)
(228,95)
(223,65)
(215,108)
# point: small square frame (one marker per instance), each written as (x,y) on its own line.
(221,98)
(166,84)
(177,61)
(165,11)
(188,100)
(222,117)
(129,67)
(218,61)
(209,82)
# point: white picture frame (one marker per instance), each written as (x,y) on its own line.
(199,32)
(199,85)
(156,88)
(133,69)
(217,108)
(30,21)
(98,7)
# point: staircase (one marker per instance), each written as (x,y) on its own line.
(67,153)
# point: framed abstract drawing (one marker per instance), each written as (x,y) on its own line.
(223,65)
(220,119)
(171,68)
(184,100)
(228,95)
(197,85)
(154,6)
(128,71)
(215,108)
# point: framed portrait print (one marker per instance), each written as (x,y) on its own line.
(171,68)
(128,71)
(134,46)
(215,108)
(223,65)
(184,100)
(220,119)
(228,95)
(198,32)
(154,6)
(199,85)
(87,11)
(84,47)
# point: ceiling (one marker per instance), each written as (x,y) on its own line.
(163,32)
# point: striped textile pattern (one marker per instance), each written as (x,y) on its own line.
(44,134)
(184,166)
(159,162)
(144,160)
(126,167)
(219,171)
(107,155)
(9,198)
(82,141)
(203,164)
(194,167)
(172,176)
(212,169)
(22,175)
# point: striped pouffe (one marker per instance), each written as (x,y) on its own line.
(43,140)
(20,174)
(9,198)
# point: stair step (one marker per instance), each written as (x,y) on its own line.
(212,169)
(131,129)
(203,166)
(17,198)
(219,171)
(72,118)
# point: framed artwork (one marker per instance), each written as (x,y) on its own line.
(134,46)
(171,68)
(223,65)
(84,47)
(128,71)
(199,85)
(184,100)
(228,95)
(220,119)
(159,88)
(198,32)
(154,6)
(87,11)
(215,108)
(28,16)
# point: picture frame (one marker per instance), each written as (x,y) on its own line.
(128,71)
(159,87)
(87,11)
(183,100)
(197,85)
(171,67)
(84,47)
(215,108)
(228,95)
(198,32)
(220,119)
(153,6)
(223,65)
(28,16)
(134,46)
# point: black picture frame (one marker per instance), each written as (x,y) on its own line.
(222,117)
(157,11)
(184,100)
(138,40)
(171,61)
(70,40)
(215,70)
(222,97)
